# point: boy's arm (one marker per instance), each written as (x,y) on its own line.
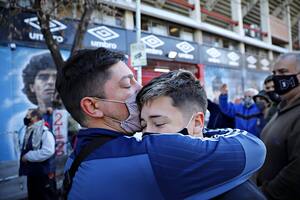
(189,167)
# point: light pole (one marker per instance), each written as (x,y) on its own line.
(138,36)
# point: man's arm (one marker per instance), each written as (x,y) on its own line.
(190,167)
(226,107)
(286,185)
(45,152)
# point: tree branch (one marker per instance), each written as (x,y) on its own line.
(50,42)
(82,26)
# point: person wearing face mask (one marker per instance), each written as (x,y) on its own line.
(38,158)
(176,102)
(245,114)
(263,103)
(279,178)
(99,91)
(273,96)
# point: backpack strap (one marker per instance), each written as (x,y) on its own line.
(89,148)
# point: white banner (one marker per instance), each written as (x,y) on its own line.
(60,130)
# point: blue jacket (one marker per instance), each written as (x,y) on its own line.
(165,166)
(245,118)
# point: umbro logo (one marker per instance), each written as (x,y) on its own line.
(251,60)
(185,47)
(233,56)
(103,33)
(53,24)
(213,52)
(152,41)
(265,62)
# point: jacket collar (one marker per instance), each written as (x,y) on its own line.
(90,132)
(285,106)
(85,135)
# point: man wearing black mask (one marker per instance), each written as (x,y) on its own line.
(263,102)
(279,178)
(273,96)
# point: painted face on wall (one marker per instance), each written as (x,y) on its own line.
(44,86)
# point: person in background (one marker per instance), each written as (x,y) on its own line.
(279,178)
(264,103)
(38,158)
(273,96)
(245,114)
(48,118)
(99,91)
(166,109)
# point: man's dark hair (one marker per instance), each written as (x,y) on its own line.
(36,113)
(83,75)
(36,64)
(181,86)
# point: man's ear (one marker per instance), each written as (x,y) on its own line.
(199,123)
(90,107)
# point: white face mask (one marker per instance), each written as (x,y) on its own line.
(132,123)
(248,102)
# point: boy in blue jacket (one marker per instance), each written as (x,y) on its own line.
(99,91)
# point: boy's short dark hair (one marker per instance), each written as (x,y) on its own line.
(85,74)
(181,86)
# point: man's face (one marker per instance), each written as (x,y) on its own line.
(44,85)
(120,86)
(160,116)
(285,66)
(269,86)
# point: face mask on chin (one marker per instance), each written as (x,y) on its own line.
(132,124)
(285,83)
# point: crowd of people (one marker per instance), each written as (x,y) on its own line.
(248,150)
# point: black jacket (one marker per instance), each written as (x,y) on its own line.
(217,119)
(280,174)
